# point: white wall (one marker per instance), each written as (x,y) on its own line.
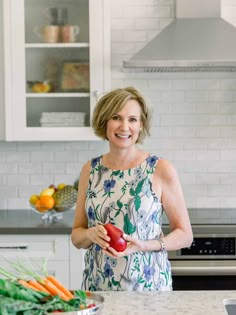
(194,123)
(1,75)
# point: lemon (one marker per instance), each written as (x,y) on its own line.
(33,199)
(47,192)
(60,186)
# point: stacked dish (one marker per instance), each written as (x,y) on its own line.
(63,119)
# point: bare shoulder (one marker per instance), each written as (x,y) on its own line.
(86,168)
(166,171)
(84,174)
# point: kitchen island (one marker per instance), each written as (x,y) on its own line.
(166,303)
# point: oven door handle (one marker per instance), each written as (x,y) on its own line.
(203,270)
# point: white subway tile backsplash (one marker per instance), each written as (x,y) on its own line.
(53,167)
(219,190)
(29,168)
(228,155)
(7,146)
(228,132)
(19,203)
(209,84)
(172,97)
(207,155)
(159,84)
(74,169)
(186,133)
(3,156)
(17,180)
(61,156)
(222,167)
(8,192)
(209,108)
(135,36)
(210,179)
(41,180)
(38,156)
(8,168)
(17,156)
(196,96)
(184,108)
(193,124)
(220,96)
(228,84)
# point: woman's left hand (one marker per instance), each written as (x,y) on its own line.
(133,245)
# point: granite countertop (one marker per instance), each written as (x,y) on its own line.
(166,303)
(29,222)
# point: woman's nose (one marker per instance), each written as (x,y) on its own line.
(125,124)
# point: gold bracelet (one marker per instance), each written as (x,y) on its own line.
(160,240)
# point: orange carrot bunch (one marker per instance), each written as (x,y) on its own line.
(27,274)
(50,285)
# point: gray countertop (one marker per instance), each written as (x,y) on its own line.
(166,303)
(28,222)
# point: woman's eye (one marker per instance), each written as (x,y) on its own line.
(115,117)
(133,119)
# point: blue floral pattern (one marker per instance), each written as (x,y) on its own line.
(125,198)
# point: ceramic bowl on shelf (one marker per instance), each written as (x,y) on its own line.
(52,215)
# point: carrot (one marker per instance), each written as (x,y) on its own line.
(38,286)
(25,284)
(60,286)
(54,290)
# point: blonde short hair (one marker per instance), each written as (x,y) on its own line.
(112,103)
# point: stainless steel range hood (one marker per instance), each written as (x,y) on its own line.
(197,40)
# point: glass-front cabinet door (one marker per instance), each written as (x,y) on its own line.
(57,63)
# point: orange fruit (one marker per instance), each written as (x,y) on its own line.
(47,202)
(44,203)
(39,207)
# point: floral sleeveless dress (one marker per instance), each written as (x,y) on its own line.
(125,199)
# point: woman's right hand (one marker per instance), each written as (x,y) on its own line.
(98,235)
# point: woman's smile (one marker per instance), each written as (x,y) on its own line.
(123,136)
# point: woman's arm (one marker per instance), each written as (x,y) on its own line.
(82,236)
(174,206)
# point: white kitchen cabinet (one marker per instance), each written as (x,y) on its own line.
(76,267)
(55,248)
(28,58)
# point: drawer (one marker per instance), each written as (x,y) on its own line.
(51,247)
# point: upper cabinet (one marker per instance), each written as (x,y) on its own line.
(57,63)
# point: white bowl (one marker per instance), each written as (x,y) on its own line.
(230,306)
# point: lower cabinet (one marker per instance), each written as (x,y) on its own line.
(76,266)
(64,261)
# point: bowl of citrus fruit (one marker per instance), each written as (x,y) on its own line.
(52,201)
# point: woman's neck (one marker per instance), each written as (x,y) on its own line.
(124,159)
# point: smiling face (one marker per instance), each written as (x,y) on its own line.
(124,126)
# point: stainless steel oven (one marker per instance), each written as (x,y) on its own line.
(210,262)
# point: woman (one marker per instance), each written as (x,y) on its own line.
(129,188)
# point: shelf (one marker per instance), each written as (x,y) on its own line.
(39,95)
(58,45)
